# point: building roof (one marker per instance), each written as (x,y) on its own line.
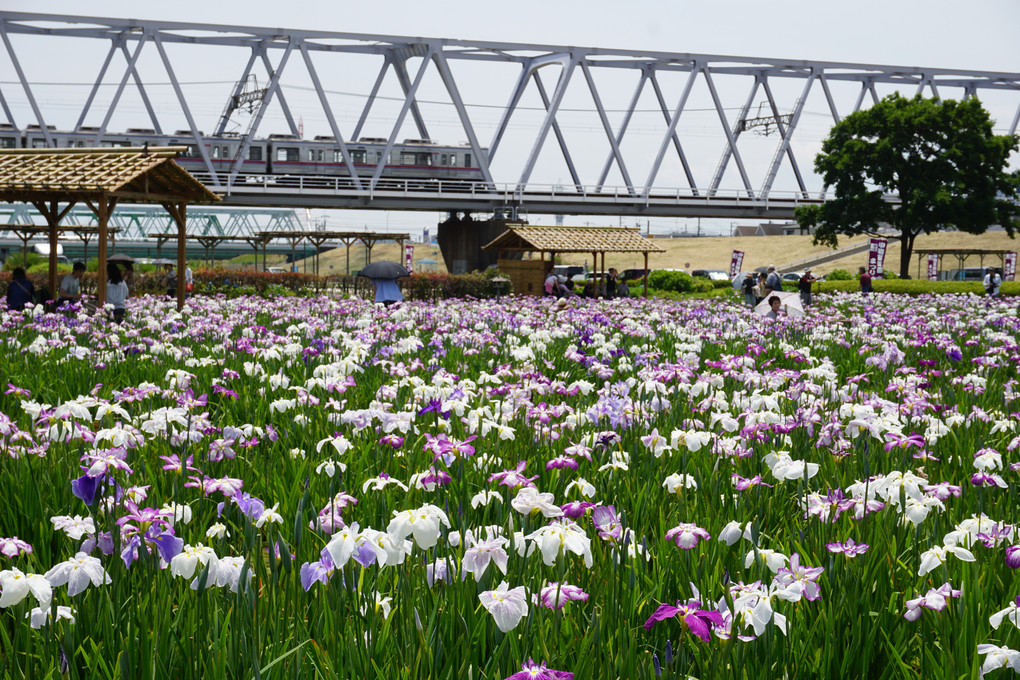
(574,240)
(131,173)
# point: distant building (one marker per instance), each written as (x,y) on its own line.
(770,229)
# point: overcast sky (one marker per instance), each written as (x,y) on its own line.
(978,35)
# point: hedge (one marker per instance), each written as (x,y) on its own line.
(916,287)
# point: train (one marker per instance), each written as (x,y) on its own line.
(278,154)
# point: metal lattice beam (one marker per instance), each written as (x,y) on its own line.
(409,60)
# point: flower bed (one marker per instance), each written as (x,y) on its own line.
(312,487)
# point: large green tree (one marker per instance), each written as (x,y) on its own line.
(918,165)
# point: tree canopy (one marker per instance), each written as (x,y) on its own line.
(918,165)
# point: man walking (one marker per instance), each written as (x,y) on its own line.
(804,285)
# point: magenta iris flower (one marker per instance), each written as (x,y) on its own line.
(849,548)
(698,621)
(535,671)
(687,535)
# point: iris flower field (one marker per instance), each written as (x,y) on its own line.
(322,488)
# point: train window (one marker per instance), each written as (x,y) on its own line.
(8,142)
(453,160)
(467,160)
(406,158)
(288,153)
(442,159)
(357,156)
(192,151)
(38,143)
(225,152)
(378,156)
(215,151)
(254,153)
(315,155)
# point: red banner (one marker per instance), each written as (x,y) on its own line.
(933,266)
(876,257)
(409,258)
(736,262)
(1009,266)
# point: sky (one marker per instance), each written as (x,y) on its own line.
(978,35)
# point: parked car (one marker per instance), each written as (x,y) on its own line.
(633,274)
(792,277)
(568,270)
(711,274)
(971,274)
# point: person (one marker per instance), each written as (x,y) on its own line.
(551,282)
(992,282)
(611,280)
(774,312)
(804,285)
(169,280)
(759,293)
(387,291)
(20,291)
(189,280)
(70,285)
(622,289)
(773,284)
(865,281)
(748,286)
(116,290)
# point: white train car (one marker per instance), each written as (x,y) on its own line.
(278,155)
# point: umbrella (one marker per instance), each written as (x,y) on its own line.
(789,304)
(120,257)
(383,269)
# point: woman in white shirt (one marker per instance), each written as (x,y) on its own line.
(116,291)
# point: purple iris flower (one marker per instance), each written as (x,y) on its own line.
(534,671)
(607,522)
(251,506)
(315,571)
(85,488)
(698,621)
(1013,557)
(575,509)
(849,548)
(104,540)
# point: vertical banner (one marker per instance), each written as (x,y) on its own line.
(933,266)
(736,262)
(876,257)
(409,258)
(1009,266)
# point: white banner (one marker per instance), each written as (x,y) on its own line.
(1009,266)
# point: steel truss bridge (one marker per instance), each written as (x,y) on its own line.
(668,171)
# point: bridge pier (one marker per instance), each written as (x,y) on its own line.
(461,238)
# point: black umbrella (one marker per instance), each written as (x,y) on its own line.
(383,269)
(120,258)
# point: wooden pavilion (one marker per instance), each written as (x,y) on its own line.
(528,276)
(54,180)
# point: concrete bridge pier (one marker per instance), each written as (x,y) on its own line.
(461,238)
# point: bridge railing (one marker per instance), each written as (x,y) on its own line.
(285,184)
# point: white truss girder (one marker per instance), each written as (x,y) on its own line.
(411,60)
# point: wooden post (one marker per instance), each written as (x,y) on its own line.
(102,214)
(181,217)
(646,273)
(53,250)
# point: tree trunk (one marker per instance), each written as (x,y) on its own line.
(906,250)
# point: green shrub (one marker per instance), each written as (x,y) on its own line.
(681,282)
(18,259)
(839,275)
